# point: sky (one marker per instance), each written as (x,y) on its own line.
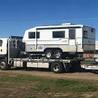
(16,16)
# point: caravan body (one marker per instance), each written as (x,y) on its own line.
(67,37)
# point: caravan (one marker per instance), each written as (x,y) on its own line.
(58,40)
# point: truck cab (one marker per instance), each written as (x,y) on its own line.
(10,47)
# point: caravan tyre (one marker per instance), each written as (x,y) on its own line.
(57,54)
(48,53)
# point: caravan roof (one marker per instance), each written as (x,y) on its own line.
(62,26)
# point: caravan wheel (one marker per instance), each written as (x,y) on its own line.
(48,53)
(57,53)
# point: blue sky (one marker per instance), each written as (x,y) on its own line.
(18,15)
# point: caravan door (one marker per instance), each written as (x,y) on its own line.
(72,40)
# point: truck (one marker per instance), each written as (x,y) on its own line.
(57,47)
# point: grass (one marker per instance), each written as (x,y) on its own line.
(26,86)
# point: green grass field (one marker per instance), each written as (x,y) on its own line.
(26,86)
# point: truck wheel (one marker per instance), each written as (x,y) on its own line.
(48,53)
(3,65)
(57,67)
(57,53)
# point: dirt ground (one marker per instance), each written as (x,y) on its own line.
(47,74)
(18,88)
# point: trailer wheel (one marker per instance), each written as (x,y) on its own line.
(3,65)
(48,53)
(57,53)
(57,67)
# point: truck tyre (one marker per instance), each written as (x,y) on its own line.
(3,65)
(57,67)
(48,53)
(57,53)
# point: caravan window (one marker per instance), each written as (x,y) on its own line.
(58,34)
(1,42)
(32,35)
(71,33)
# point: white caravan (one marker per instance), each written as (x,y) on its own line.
(61,39)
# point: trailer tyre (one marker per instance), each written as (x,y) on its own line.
(57,67)
(3,65)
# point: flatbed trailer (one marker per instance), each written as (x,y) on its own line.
(55,65)
(17,57)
